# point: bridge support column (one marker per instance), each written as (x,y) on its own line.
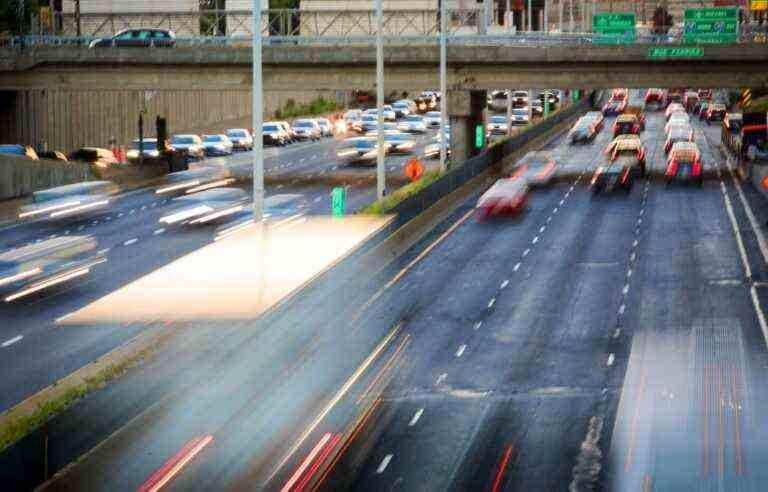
(465,111)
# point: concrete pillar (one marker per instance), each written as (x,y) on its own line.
(466,113)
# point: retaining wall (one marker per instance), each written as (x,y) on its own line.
(20,176)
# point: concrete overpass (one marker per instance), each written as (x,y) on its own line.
(471,67)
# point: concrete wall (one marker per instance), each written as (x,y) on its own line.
(66,120)
(20,176)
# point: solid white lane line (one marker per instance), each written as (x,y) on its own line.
(751,217)
(737,234)
(504,284)
(416,417)
(517,266)
(10,342)
(525,253)
(158,231)
(611,357)
(759,311)
(66,232)
(384,463)
(130,241)
(491,302)
(461,349)
(478,325)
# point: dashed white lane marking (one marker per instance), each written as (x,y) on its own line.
(130,241)
(611,357)
(535,240)
(416,417)
(143,207)
(131,211)
(441,378)
(52,236)
(617,333)
(317,199)
(635,243)
(66,232)
(491,302)
(154,204)
(119,215)
(504,284)
(542,229)
(108,218)
(549,219)
(517,266)
(633,256)
(622,308)
(478,325)
(158,231)
(81,228)
(642,211)
(629,273)
(461,350)
(561,202)
(525,253)
(554,211)
(94,222)
(383,464)
(10,342)
(639,221)
(625,290)
(103,251)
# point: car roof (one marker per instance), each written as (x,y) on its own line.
(626,118)
(685,146)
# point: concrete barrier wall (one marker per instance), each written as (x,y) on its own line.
(20,176)
(66,120)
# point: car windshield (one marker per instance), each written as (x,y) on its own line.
(271,128)
(236,133)
(212,138)
(361,144)
(498,119)
(520,112)
(183,140)
(434,114)
(400,105)
(369,117)
(148,145)
(414,117)
(303,124)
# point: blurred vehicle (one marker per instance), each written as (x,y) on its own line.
(626,124)
(41,265)
(421,105)
(217,145)
(289,132)
(520,117)
(326,129)
(731,132)
(359,150)
(596,117)
(678,133)
(277,206)
(519,98)
(369,122)
(144,37)
(191,144)
(537,108)
(700,106)
(677,119)
(386,110)
(396,142)
(206,206)
(412,123)
(630,148)
(690,99)
(497,100)
(54,155)
(684,163)
(537,168)
(94,155)
(673,108)
(194,180)
(146,149)
(19,150)
(655,97)
(353,120)
(616,174)
(67,201)
(618,95)
(307,129)
(550,96)
(614,107)
(673,96)
(432,151)
(401,108)
(754,137)
(241,138)
(497,125)
(715,112)
(507,196)
(584,130)
(273,133)
(638,112)
(432,119)
(705,93)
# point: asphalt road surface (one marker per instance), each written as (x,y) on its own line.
(136,244)
(612,342)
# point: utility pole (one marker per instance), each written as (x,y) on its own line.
(443,85)
(257,118)
(560,16)
(380,176)
(530,15)
(77,17)
(546,16)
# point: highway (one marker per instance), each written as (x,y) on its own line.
(614,342)
(35,353)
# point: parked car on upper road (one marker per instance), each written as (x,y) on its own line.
(241,138)
(144,37)
(217,145)
(192,144)
(307,129)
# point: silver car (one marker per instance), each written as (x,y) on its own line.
(307,129)
(413,123)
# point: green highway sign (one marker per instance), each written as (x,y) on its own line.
(479,136)
(614,28)
(675,52)
(337,201)
(711,25)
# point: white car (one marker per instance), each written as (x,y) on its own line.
(147,149)
(207,206)
(386,110)
(497,125)
(217,145)
(307,129)
(413,123)
(326,128)
(519,117)
(432,119)
(191,143)
(520,98)
(274,133)
(241,138)
(674,108)
(67,201)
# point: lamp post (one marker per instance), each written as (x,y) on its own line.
(380,176)
(443,85)
(257,118)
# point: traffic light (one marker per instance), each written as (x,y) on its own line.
(162,133)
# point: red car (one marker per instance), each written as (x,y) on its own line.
(715,112)
(684,163)
(507,197)
(654,96)
(626,124)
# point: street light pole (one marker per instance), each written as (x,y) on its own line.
(257,118)
(560,16)
(380,177)
(546,16)
(530,15)
(443,85)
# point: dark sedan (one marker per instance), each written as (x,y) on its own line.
(138,38)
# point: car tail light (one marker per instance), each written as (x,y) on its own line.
(625,176)
(672,168)
(696,168)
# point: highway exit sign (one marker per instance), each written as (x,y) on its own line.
(614,28)
(711,25)
(661,52)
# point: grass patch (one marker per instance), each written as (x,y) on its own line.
(759,105)
(19,428)
(389,202)
(317,106)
